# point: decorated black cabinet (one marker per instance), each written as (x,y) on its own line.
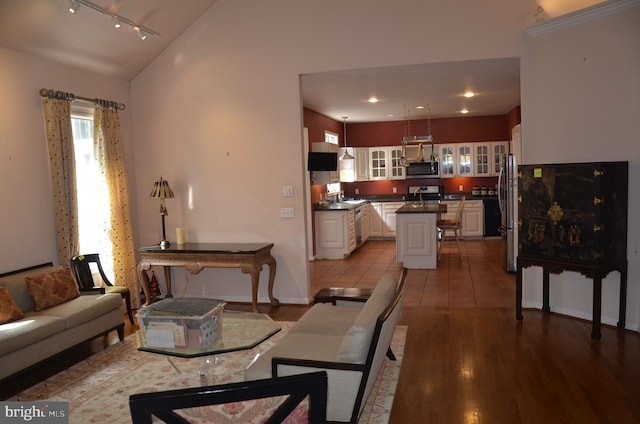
(573,212)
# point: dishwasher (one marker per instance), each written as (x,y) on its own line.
(492,217)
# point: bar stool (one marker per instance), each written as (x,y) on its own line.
(451,224)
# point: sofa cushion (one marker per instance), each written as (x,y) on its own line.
(326,319)
(33,328)
(355,344)
(18,288)
(9,311)
(52,288)
(84,308)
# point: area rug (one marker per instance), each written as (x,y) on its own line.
(98,388)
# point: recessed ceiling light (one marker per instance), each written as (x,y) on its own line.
(373,99)
(469,94)
(419,107)
(464,110)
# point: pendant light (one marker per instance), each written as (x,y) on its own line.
(345,153)
(347,161)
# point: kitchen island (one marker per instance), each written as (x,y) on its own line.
(417,235)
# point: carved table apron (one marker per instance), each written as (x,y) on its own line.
(249,257)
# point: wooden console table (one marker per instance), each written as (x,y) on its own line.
(249,257)
(596,273)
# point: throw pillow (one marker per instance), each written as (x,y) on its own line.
(9,311)
(51,289)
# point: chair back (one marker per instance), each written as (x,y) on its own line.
(163,404)
(81,269)
(459,212)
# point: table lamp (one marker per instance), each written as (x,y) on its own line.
(161,190)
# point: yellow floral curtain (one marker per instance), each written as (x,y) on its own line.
(109,151)
(57,115)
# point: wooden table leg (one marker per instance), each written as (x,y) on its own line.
(272,276)
(545,290)
(144,282)
(597,306)
(167,279)
(254,271)
(622,310)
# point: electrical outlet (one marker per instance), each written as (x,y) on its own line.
(287,213)
(460,188)
(287,191)
(395,190)
(357,191)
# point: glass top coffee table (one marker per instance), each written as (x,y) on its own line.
(240,330)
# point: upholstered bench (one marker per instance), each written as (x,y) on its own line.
(348,339)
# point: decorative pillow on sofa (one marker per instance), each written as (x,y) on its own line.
(9,310)
(51,289)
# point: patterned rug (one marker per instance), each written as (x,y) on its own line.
(98,388)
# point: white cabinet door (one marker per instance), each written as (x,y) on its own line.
(396,170)
(416,240)
(375,219)
(364,223)
(464,158)
(362,163)
(473,219)
(335,234)
(378,163)
(499,149)
(389,218)
(482,154)
(447,153)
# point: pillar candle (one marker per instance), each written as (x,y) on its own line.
(180,235)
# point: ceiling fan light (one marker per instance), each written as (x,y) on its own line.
(73,8)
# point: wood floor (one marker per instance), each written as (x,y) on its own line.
(467,359)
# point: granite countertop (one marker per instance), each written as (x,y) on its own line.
(426,208)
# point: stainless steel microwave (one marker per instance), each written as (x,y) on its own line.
(424,169)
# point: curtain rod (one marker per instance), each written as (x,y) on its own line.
(63,95)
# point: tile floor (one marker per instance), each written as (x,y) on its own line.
(477,280)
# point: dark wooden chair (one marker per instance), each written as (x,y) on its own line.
(163,404)
(81,269)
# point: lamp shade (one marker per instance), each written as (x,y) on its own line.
(161,190)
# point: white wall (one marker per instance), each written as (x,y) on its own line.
(27,215)
(218,114)
(581,97)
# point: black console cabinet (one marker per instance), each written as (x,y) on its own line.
(573,217)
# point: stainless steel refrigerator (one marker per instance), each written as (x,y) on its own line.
(508,201)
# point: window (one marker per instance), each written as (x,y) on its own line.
(94,217)
(331,137)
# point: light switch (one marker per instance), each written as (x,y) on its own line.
(287,213)
(287,191)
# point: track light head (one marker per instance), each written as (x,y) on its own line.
(73,8)
(141,33)
(116,21)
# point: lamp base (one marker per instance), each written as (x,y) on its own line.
(164,244)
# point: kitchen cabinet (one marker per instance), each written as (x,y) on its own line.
(472,217)
(385,163)
(364,222)
(382,219)
(362,163)
(447,153)
(375,219)
(416,241)
(488,157)
(389,218)
(464,160)
(335,234)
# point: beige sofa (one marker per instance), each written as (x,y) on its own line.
(43,334)
(347,339)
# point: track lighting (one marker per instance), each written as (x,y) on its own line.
(142,32)
(73,8)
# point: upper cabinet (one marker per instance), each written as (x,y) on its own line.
(464,157)
(362,163)
(488,157)
(385,163)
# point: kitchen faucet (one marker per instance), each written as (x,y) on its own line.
(419,193)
